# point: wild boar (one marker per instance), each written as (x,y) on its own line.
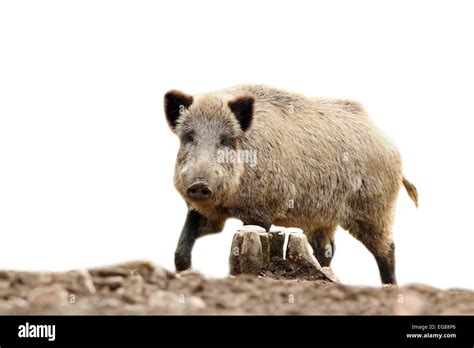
(267,156)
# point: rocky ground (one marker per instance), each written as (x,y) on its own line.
(144,288)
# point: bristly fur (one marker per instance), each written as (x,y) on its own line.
(322,163)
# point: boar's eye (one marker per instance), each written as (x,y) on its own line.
(188,137)
(227,140)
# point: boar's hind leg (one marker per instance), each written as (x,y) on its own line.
(379,242)
(195,226)
(322,242)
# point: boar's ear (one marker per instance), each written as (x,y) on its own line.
(242,107)
(175,103)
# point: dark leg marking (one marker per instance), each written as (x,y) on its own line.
(386,266)
(195,227)
(379,243)
(189,233)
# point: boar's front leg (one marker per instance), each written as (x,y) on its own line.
(195,226)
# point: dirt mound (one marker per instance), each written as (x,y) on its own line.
(143,288)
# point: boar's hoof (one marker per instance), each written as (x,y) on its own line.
(182,262)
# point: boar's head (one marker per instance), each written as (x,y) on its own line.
(211,129)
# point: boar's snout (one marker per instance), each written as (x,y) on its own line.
(199,191)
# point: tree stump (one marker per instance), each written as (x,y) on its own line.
(257,252)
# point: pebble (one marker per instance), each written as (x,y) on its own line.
(48,295)
(111,282)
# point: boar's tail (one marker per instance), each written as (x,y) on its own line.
(411,190)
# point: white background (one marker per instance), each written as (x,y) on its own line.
(86,157)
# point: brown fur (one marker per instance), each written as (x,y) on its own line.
(322,163)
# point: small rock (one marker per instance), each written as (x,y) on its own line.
(5,275)
(165,301)
(5,306)
(4,284)
(6,292)
(189,273)
(159,277)
(18,302)
(144,268)
(330,274)
(110,302)
(112,283)
(109,272)
(133,290)
(48,295)
(161,297)
(33,278)
(196,303)
(191,280)
(131,298)
(85,283)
